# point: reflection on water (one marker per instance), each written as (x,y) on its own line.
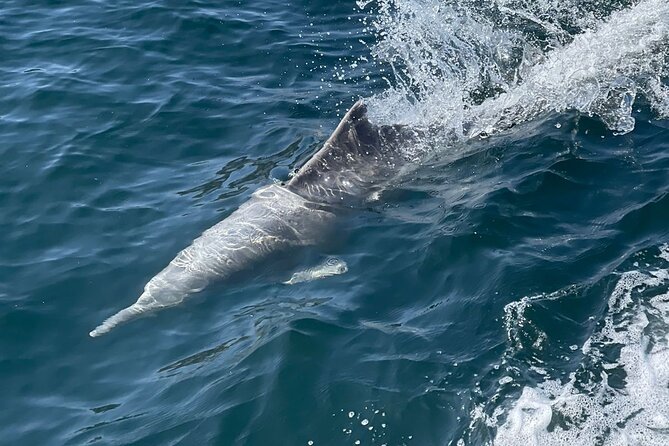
(246,172)
(269,318)
(203,356)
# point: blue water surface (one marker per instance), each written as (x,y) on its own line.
(128,128)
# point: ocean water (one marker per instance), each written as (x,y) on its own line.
(510,287)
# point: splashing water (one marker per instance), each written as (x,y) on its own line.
(474,69)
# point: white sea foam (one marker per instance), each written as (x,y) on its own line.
(621,394)
(476,68)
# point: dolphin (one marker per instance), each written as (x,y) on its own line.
(357,159)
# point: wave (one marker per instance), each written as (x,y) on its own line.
(618,392)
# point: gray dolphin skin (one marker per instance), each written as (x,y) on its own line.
(358,157)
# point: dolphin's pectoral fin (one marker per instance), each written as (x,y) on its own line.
(297,277)
(332,266)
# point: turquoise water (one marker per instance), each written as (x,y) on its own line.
(503,290)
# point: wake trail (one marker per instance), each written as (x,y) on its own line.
(456,68)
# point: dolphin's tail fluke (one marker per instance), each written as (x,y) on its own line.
(123,316)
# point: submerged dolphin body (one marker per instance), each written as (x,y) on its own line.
(358,157)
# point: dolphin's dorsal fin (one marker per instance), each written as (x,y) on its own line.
(357,111)
(358,155)
(355,115)
(354,141)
